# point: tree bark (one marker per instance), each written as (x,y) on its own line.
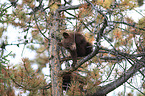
(56,80)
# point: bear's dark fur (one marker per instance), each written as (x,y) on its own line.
(76,44)
(68,77)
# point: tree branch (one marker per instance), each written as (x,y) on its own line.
(39,28)
(64,8)
(132,25)
(103,90)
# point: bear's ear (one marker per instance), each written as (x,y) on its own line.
(65,35)
(59,43)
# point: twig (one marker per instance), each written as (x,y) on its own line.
(39,28)
(132,25)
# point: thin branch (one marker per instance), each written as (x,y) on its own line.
(139,13)
(132,25)
(68,58)
(113,52)
(46,86)
(136,88)
(25,66)
(39,28)
(64,8)
(111,58)
(126,56)
(98,10)
(48,6)
(103,90)
(85,25)
(109,74)
(15,81)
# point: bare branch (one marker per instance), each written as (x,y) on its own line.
(39,28)
(132,25)
(64,8)
(103,90)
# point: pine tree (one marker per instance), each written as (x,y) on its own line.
(118,56)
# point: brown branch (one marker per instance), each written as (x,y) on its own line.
(105,58)
(64,8)
(39,28)
(103,90)
(68,58)
(132,25)
(121,55)
(46,86)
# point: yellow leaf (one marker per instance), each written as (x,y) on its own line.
(89,37)
(54,7)
(107,3)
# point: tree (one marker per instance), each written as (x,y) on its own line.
(118,56)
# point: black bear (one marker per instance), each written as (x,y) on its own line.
(74,76)
(76,44)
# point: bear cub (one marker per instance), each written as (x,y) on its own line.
(76,44)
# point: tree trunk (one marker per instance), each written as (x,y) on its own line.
(56,80)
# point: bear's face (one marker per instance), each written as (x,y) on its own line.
(68,42)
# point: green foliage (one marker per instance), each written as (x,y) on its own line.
(3,10)
(4,80)
(3,60)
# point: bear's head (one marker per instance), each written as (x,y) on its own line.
(68,41)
